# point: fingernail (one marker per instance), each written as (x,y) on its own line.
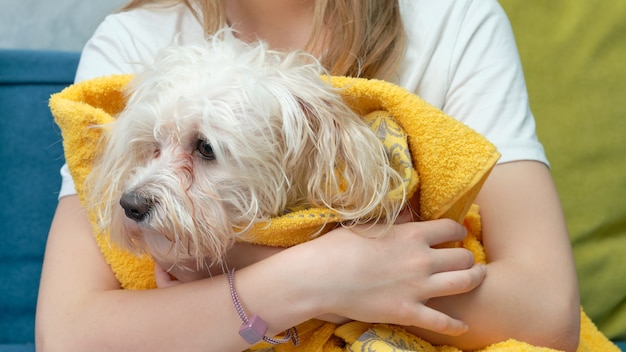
(483,267)
(463,330)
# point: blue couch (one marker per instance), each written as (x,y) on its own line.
(30,157)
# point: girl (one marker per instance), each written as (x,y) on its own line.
(460,56)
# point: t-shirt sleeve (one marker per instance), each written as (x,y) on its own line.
(487,89)
(111,50)
(105,53)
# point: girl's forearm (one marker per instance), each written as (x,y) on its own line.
(513,302)
(191,317)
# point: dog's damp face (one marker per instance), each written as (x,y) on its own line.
(195,176)
(203,160)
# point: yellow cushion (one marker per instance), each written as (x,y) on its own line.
(573,54)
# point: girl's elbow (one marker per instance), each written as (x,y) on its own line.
(567,338)
(47,342)
(571,329)
(563,334)
(51,338)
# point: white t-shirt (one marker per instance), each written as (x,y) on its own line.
(461,58)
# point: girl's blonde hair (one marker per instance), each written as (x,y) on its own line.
(361,38)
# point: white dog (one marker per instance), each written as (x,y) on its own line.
(218,136)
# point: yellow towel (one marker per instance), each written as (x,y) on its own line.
(451,163)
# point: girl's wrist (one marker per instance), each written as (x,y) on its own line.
(253,329)
(286,293)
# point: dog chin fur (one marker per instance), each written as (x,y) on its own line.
(220,135)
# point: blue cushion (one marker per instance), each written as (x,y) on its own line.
(31,155)
(37,67)
(27,347)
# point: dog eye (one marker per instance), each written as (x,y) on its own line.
(205,149)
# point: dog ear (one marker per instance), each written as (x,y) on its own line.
(348,168)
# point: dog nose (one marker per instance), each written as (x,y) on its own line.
(136,206)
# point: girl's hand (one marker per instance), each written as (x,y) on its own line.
(390,279)
(163,278)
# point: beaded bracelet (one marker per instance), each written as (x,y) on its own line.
(253,330)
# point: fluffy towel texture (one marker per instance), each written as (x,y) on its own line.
(452,162)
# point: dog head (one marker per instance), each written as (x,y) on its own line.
(218,136)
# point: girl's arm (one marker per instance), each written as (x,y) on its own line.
(531,291)
(82,308)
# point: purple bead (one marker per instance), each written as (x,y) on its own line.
(254,330)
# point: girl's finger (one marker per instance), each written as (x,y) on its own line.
(436,321)
(163,278)
(451,259)
(449,283)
